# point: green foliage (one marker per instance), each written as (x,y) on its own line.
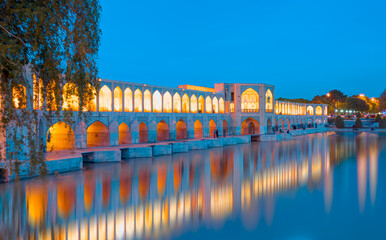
(330,120)
(320,99)
(382,101)
(295,100)
(378,118)
(357,104)
(358,123)
(339,122)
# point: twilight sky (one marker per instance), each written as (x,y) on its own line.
(303,47)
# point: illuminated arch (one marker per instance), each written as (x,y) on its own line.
(60,136)
(167,102)
(185,103)
(19,97)
(98,135)
(212,127)
(208,105)
(221,106)
(128,96)
(198,131)
(269,126)
(268,101)
(91,102)
(215,105)
(70,97)
(51,98)
(325,111)
(249,126)
(105,99)
(162,131)
(143,133)
(193,104)
(117,99)
(310,110)
(318,110)
(249,101)
(124,134)
(176,103)
(147,101)
(137,100)
(201,104)
(225,128)
(37,93)
(182,130)
(157,102)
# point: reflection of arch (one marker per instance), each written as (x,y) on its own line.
(124,186)
(212,127)
(269,126)
(282,124)
(147,101)
(276,125)
(128,96)
(143,183)
(310,110)
(117,99)
(176,103)
(193,104)
(157,102)
(60,136)
(162,131)
(177,176)
(288,124)
(19,96)
(167,102)
(208,105)
(249,126)
(143,133)
(105,99)
(124,134)
(66,197)
(70,97)
(161,179)
(36,196)
(98,135)
(201,104)
(198,131)
(221,105)
(268,101)
(250,101)
(221,168)
(215,105)
(185,103)
(137,100)
(318,110)
(182,130)
(225,128)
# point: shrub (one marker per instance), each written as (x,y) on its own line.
(382,123)
(378,118)
(330,120)
(358,123)
(339,122)
(359,115)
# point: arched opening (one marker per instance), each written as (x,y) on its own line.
(157,102)
(288,124)
(212,128)
(221,106)
(182,130)
(19,97)
(143,133)
(268,101)
(249,101)
(325,111)
(198,131)
(276,125)
(124,134)
(51,98)
(193,104)
(60,136)
(162,131)
(208,105)
(117,99)
(201,104)
(105,99)
(282,124)
(176,103)
(98,135)
(147,101)
(167,102)
(310,110)
(70,97)
(269,126)
(215,105)
(91,101)
(249,126)
(318,110)
(185,103)
(137,100)
(128,96)
(225,128)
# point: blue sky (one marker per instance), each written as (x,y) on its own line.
(303,47)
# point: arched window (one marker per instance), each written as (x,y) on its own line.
(167,102)
(70,97)
(91,102)
(185,103)
(208,105)
(268,101)
(51,99)
(193,104)
(137,101)
(215,105)
(117,99)
(147,101)
(250,101)
(105,99)
(325,111)
(318,110)
(157,102)
(310,110)
(201,104)
(37,93)
(128,96)
(221,105)
(176,103)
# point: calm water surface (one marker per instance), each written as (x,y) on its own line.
(322,186)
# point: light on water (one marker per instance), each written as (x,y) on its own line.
(321,186)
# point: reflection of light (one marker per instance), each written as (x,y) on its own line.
(102,226)
(129,223)
(148,218)
(180,208)
(173,210)
(245,194)
(110,226)
(187,206)
(361,171)
(328,190)
(139,221)
(93,227)
(36,201)
(120,224)
(373,165)
(221,201)
(157,215)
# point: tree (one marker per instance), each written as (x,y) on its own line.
(357,104)
(320,99)
(358,123)
(336,97)
(382,101)
(339,122)
(58,41)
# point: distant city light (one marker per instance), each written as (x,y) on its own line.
(373,99)
(361,95)
(328,94)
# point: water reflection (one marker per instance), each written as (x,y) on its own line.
(164,196)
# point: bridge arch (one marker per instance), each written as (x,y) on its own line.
(249,101)
(193,104)
(269,126)
(318,110)
(212,127)
(19,96)
(208,105)
(60,136)
(185,103)
(98,135)
(268,101)
(128,96)
(105,99)
(117,99)
(163,133)
(137,100)
(181,130)
(250,126)
(157,102)
(147,101)
(124,134)
(201,104)
(70,97)
(176,103)
(198,130)
(225,128)
(310,110)
(167,102)
(215,105)
(143,133)
(221,106)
